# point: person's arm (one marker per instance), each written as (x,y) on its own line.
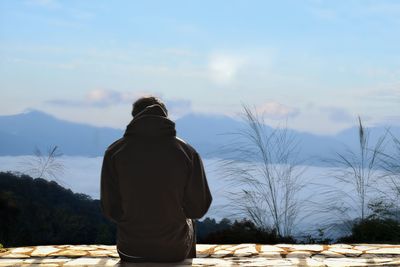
(197,196)
(109,193)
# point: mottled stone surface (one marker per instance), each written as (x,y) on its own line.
(213,255)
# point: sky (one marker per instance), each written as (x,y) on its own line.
(313,65)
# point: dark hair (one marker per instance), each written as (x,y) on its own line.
(146,101)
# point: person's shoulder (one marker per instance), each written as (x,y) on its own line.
(115,146)
(186,145)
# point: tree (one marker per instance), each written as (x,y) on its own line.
(379,227)
(245,231)
(8,212)
(208,225)
(47,166)
(355,173)
(263,174)
(41,212)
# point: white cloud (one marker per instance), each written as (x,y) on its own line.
(102,97)
(237,66)
(223,67)
(275,110)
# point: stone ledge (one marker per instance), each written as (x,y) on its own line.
(213,255)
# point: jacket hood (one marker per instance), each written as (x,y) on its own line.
(152,121)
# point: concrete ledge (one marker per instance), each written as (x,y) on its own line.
(213,255)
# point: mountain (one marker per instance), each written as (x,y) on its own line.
(21,133)
(208,133)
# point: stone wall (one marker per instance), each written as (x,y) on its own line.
(213,255)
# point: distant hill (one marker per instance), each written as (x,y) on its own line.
(21,133)
(40,212)
(208,133)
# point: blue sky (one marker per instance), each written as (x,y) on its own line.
(315,64)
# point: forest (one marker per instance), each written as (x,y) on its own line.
(41,212)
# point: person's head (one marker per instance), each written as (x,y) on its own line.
(146,101)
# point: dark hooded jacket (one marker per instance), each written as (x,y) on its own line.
(151,183)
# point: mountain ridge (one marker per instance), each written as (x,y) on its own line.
(20,134)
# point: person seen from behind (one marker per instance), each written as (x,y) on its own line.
(153,186)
